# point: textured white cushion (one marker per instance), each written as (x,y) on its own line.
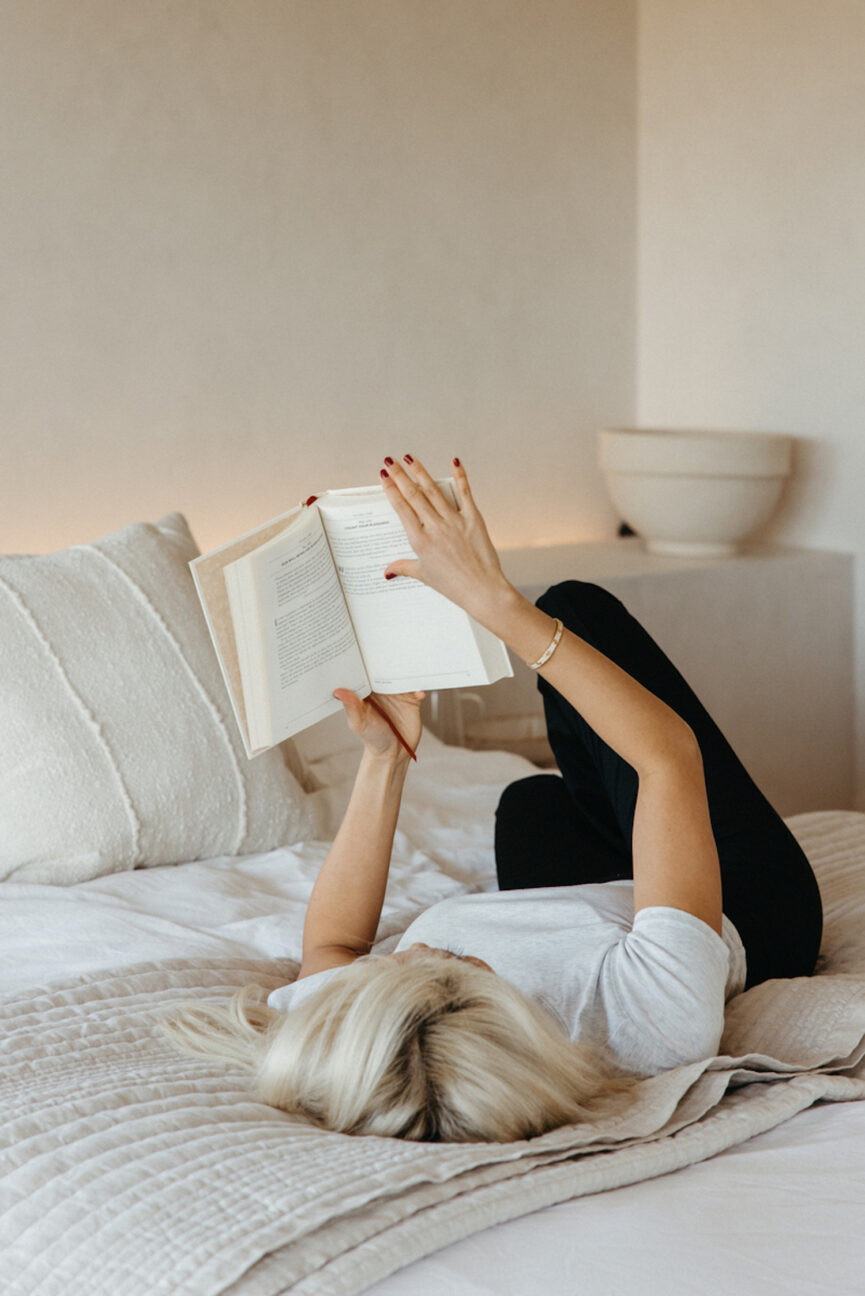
(118,746)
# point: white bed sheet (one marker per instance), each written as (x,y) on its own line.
(255,904)
(780,1213)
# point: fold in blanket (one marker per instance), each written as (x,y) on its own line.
(135,1142)
(131,1170)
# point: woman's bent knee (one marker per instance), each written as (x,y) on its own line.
(529,794)
(574,597)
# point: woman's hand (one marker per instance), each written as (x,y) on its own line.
(365,719)
(454,552)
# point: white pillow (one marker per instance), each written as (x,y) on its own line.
(118,746)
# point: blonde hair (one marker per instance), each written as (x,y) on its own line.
(434,1049)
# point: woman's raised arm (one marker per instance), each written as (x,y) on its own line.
(345,905)
(674,852)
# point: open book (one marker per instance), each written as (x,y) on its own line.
(299,607)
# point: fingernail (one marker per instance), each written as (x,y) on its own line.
(455,462)
(389,575)
(383,473)
(408,459)
(389,461)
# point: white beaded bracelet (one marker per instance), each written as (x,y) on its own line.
(545,657)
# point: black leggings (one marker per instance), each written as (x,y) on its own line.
(553,831)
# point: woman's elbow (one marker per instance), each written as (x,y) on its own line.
(674,749)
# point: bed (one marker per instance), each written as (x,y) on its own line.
(130,1170)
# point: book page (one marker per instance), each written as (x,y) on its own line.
(300,644)
(411,637)
(208,572)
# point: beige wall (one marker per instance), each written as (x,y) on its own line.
(752,245)
(250,246)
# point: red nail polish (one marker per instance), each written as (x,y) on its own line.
(389,461)
(456,462)
(389,575)
(311,500)
(408,459)
(383,473)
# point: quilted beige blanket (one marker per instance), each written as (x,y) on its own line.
(129,1171)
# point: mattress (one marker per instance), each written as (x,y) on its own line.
(780,1212)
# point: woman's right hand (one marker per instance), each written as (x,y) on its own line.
(377,719)
(455,555)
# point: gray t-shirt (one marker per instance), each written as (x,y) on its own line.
(651,988)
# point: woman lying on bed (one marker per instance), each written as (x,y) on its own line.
(604,953)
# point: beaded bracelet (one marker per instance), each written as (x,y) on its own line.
(545,657)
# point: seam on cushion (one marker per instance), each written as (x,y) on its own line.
(243,808)
(91,721)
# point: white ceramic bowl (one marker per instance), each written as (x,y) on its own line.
(690,492)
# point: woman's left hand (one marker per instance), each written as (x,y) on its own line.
(402,709)
(454,553)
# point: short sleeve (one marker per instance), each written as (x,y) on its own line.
(287,997)
(663,988)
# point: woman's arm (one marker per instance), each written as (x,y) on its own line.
(345,906)
(675,858)
(673,846)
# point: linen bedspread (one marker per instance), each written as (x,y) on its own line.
(129,1170)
